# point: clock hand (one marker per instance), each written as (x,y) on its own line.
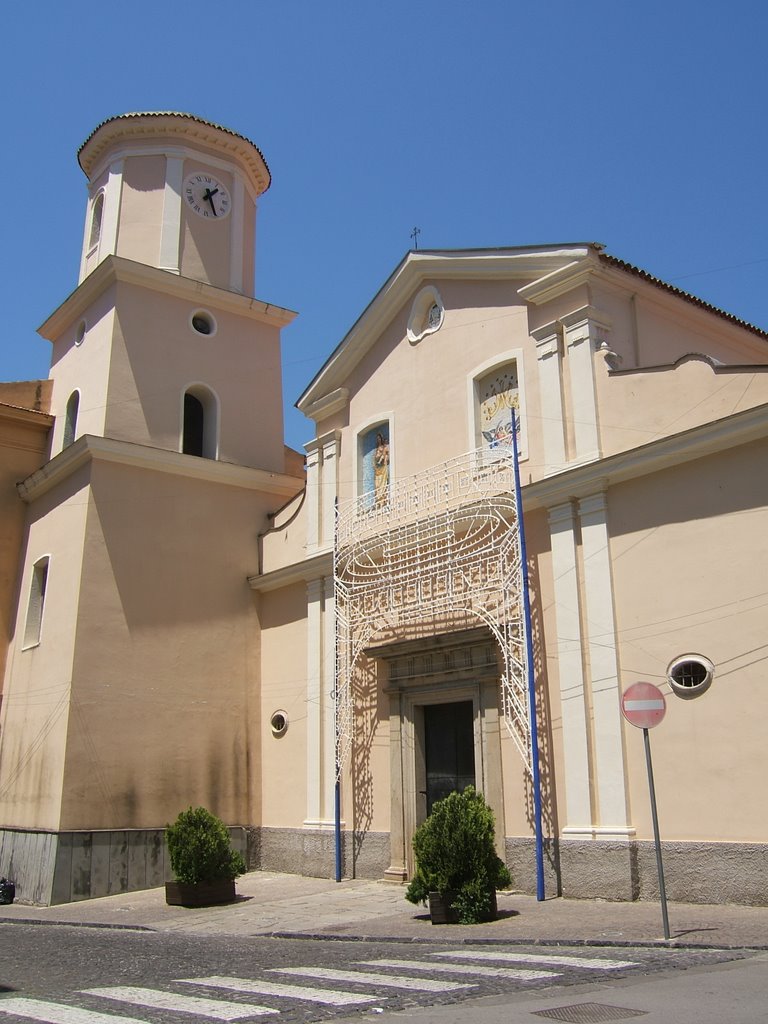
(209,196)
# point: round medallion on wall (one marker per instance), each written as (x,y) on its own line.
(206,196)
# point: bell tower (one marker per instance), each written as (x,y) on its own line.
(162,343)
(174,192)
(167,462)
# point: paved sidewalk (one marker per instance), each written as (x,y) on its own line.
(275,904)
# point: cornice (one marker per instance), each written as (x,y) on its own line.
(127,128)
(90,448)
(327,405)
(34,418)
(557,283)
(114,269)
(588,479)
(410,274)
(314,568)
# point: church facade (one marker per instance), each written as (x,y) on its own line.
(199,615)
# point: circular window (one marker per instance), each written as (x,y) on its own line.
(690,675)
(202,322)
(279,723)
(427,313)
(80,333)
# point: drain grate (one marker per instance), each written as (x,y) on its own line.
(589,1013)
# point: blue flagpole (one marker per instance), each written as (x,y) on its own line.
(531,680)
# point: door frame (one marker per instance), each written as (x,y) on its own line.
(439,670)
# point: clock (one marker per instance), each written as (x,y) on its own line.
(206,196)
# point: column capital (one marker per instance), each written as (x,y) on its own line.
(547,338)
(561,517)
(593,505)
(586,323)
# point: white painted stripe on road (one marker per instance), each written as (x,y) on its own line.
(270,988)
(56,1013)
(364,978)
(485,972)
(590,963)
(219,1009)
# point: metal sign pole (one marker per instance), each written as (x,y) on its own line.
(656,838)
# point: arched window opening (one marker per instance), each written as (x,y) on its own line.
(70,419)
(96,217)
(194,423)
(199,431)
(37,588)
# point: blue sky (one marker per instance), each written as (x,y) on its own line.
(488,123)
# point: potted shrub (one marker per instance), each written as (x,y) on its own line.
(202,860)
(457,868)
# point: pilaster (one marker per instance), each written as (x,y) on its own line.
(314,717)
(328,704)
(603,667)
(313,462)
(584,331)
(330,487)
(236,241)
(170,231)
(578,809)
(549,355)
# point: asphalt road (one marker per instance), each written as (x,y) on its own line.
(67,975)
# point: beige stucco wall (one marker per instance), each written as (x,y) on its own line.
(141,209)
(24,432)
(156,356)
(165,664)
(424,388)
(36,699)
(283,624)
(689,566)
(83,368)
(205,243)
(637,408)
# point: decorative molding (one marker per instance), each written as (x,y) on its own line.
(553,285)
(327,405)
(420,323)
(91,448)
(314,567)
(548,339)
(128,128)
(118,269)
(585,323)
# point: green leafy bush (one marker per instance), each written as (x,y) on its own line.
(455,852)
(200,848)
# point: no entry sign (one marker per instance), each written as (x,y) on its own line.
(643,705)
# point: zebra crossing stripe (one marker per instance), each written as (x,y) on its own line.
(220,1009)
(269,988)
(485,972)
(56,1013)
(589,963)
(365,978)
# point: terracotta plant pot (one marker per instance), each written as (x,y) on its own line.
(200,894)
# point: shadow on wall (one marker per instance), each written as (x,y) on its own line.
(365,696)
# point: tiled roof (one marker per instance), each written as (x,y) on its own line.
(171,113)
(614,261)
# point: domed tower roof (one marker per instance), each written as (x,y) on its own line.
(165,124)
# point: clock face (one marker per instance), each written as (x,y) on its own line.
(206,196)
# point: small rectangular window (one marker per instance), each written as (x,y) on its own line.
(37,589)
